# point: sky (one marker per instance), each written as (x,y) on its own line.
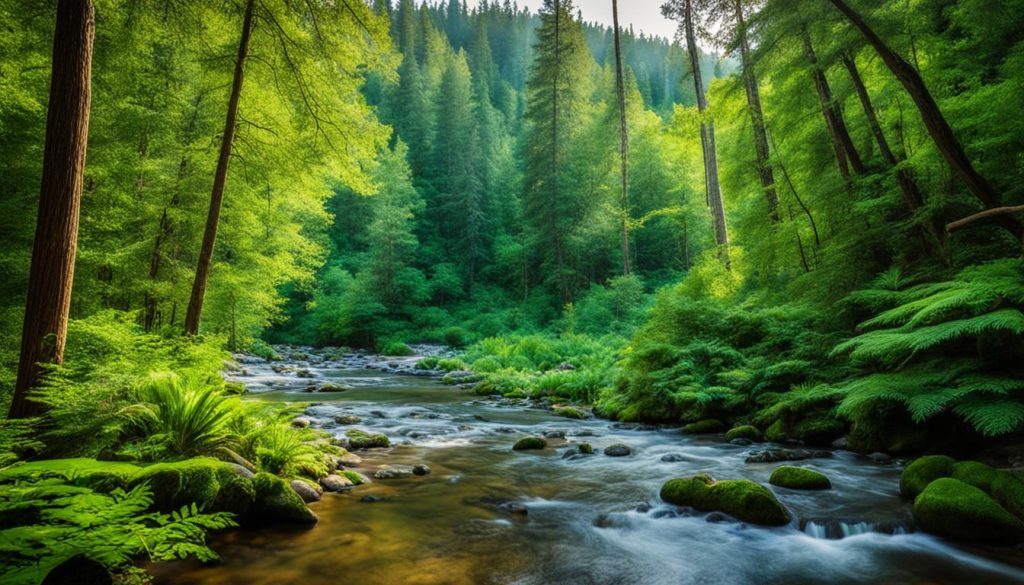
(644,15)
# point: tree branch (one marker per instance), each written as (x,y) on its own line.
(983,215)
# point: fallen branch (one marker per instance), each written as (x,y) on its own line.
(982,215)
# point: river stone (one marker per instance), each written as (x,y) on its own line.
(530,444)
(554,434)
(335,483)
(347,419)
(617,450)
(776,455)
(304,373)
(332,387)
(739,498)
(277,503)
(949,507)
(569,453)
(306,491)
(878,457)
(301,422)
(421,469)
(741,442)
(393,472)
(674,458)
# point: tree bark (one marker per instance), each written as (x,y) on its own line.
(934,121)
(56,238)
(764,169)
(556,195)
(624,140)
(834,121)
(707,139)
(195,303)
(993,213)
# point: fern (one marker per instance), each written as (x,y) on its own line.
(113,529)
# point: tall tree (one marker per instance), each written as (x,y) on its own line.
(846,152)
(682,10)
(56,238)
(195,303)
(934,121)
(620,89)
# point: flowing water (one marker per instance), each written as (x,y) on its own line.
(590,520)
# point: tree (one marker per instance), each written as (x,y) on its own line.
(934,121)
(56,239)
(682,10)
(624,139)
(195,303)
(558,90)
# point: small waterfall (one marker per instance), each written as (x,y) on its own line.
(829,529)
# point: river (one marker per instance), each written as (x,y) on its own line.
(589,520)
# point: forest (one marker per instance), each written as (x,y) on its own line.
(443,292)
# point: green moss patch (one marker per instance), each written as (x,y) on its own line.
(954,509)
(277,503)
(749,432)
(359,439)
(923,471)
(701,427)
(570,412)
(799,478)
(740,498)
(529,444)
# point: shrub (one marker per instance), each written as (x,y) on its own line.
(281,451)
(396,348)
(184,418)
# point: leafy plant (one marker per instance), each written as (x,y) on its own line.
(280,450)
(185,418)
(113,529)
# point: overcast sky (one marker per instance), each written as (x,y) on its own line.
(644,15)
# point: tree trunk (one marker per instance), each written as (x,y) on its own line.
(56,238)
(764,169)
(934,121)
(624,140)
(195,303)
(556,194)
(834,121)
(707,140)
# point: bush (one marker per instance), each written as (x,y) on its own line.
(181,418)
(262,349)
(396,348)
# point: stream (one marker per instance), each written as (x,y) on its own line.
(488,515)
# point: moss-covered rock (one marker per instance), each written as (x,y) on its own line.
(360,439)
(586,448)
(1008,492)
(277,503)
(199,481)
(748,432)
(819,430)
(234,388)
(354,476)
(799,478)
(515,394)
(776,432)
(740,498)
(97,475)
(530,443)
(951,508)
(922,471)
(570,412)
(701,427)
(975,473)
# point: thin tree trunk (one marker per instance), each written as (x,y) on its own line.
(841,141)
(707,139)
(764,169)
(624,142)
(556,195)
(56,239)
(195,303)
(796,194)
(934,121)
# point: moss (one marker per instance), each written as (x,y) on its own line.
(744,432)
(570,412)
(513,394)
(776,433)
(277,503)
(799,478)
(233,387)
(700,427)
(923,471)
(353,476)
(529,443)
(236,494)
(819,430)
(1008,491)
(586,448)
(359,439)
(951,508)
(184,482)
(72,469)
(450,364)
(975,473)
(740,498)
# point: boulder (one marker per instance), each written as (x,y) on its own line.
(618,450)
(347,419)
(332,387)
(354,476)
(530,444)
(748,432)
(360,439)
(421,469)
(570,412)
(554,434)
(200,481)
(586,449)
(393,472)
(922,471)
(739,498)
(306,491)
(954,509)
(301,422)
(335,483)
(277,503)
(799,478)
(776,455)
(349,460)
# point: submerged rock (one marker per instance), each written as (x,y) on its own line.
(393,472)
(332,387)
(530,444)
(949,507)
(799,478)
(618,450)
(554,434)
(701,427)
(776,455)
(741,442)
(347,419)
(739,498)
